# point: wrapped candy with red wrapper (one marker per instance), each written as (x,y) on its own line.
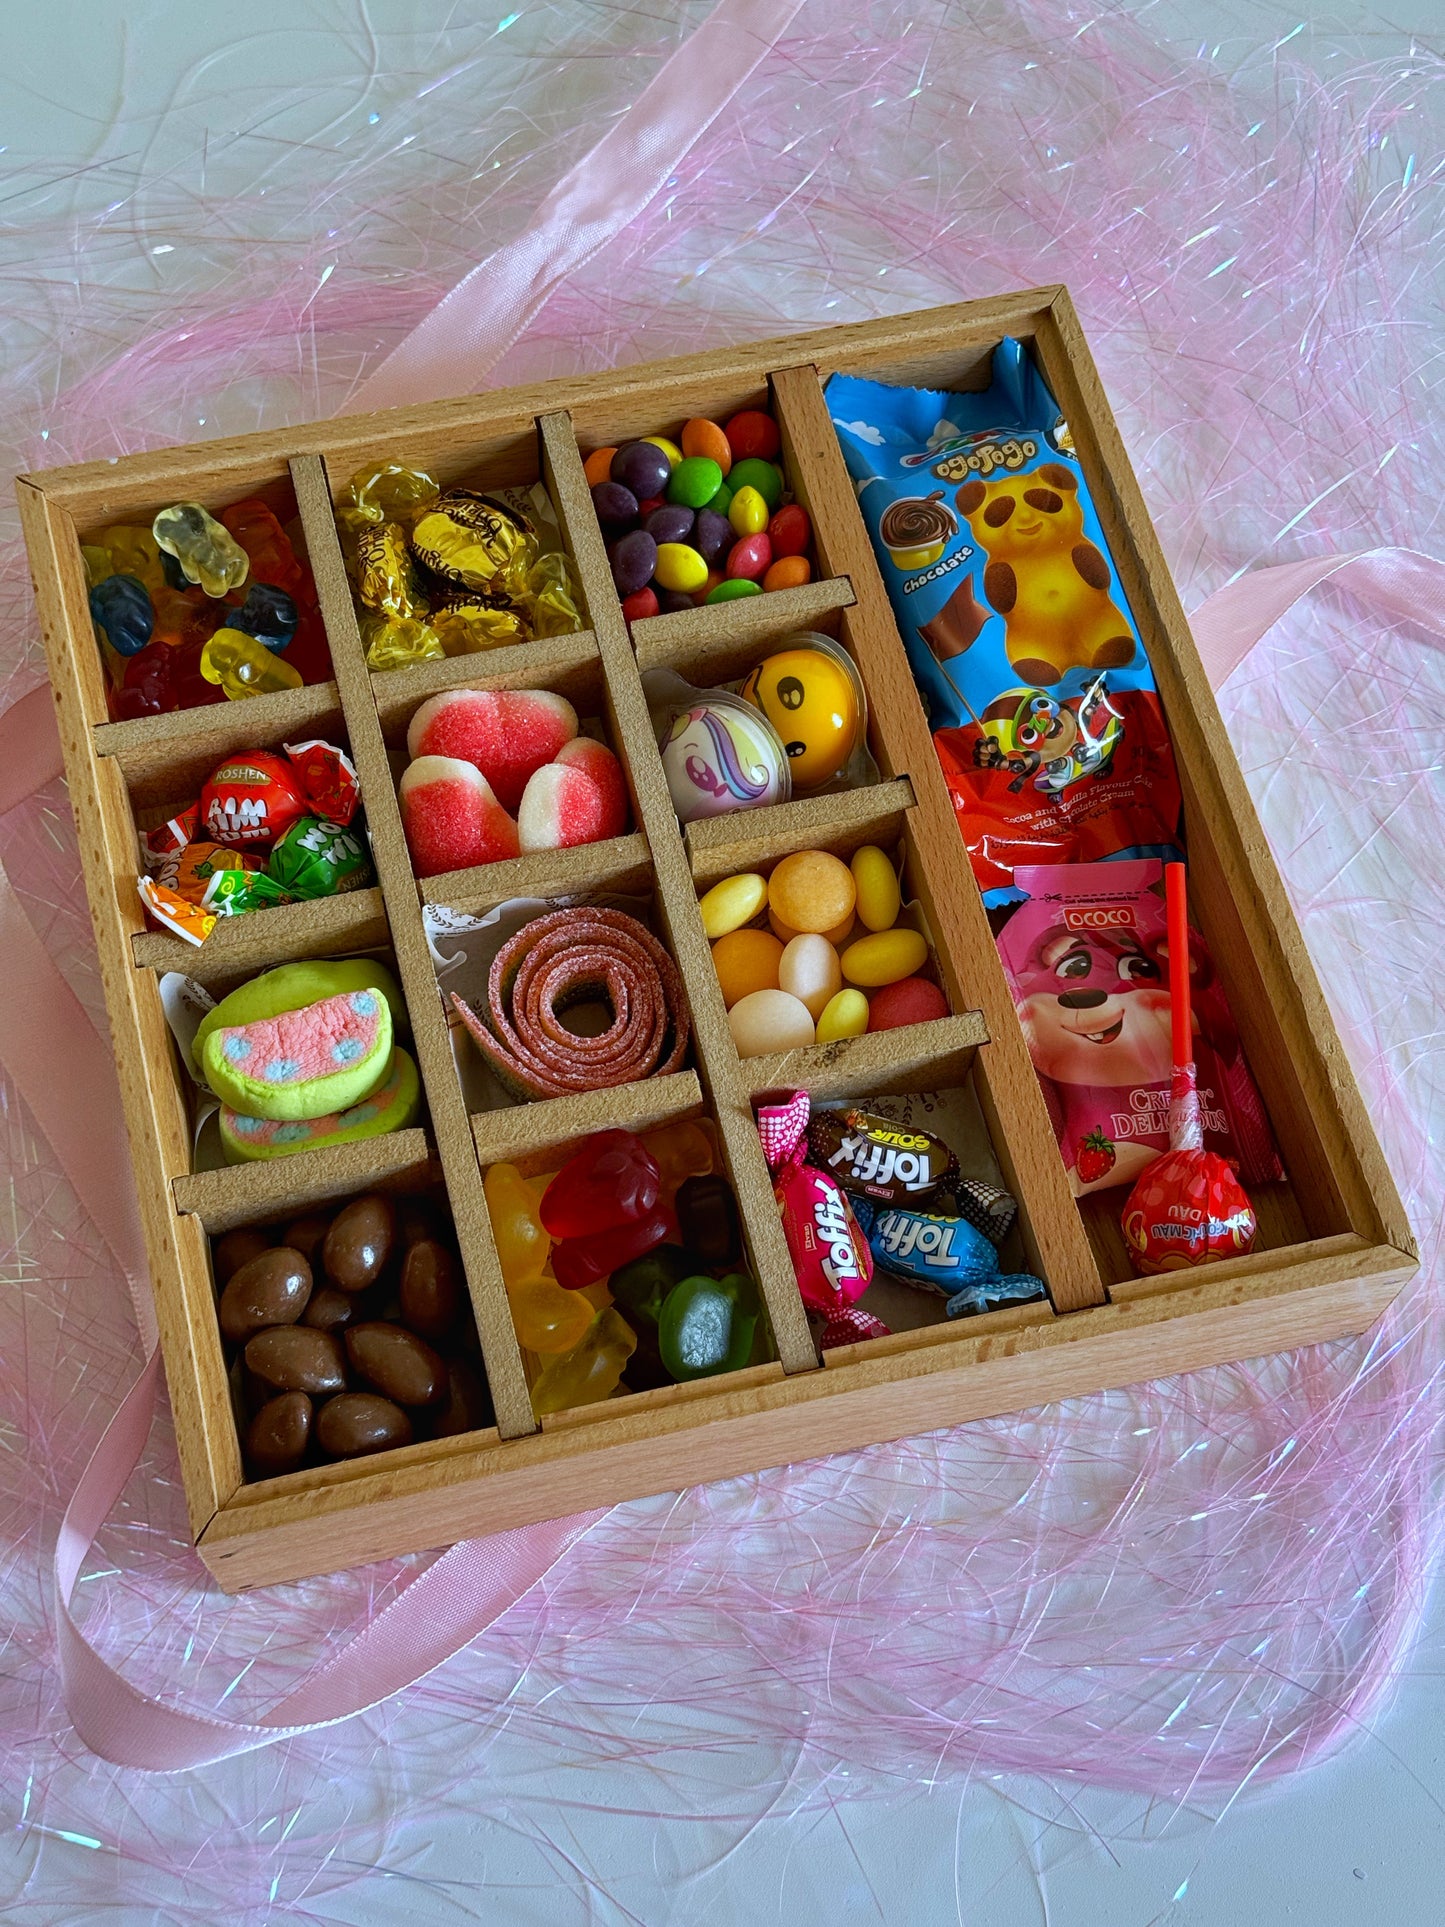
(1188,1207)
(830,1255)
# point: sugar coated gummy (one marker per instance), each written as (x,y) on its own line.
(206,551)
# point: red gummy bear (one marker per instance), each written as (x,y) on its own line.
(610,1180)
(579,1262)
(270,554)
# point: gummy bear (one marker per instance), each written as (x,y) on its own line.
(610,1180)
(134,551)
(682,1151)
(396,642)
(186,615)
(591,1371)
(309,652)
(122,609)
(207,552)
(548,1319)
(98,564)
(522,1243)
(269,614)
(272,559)
(149,685)
(245,667)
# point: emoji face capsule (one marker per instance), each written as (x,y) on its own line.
(811,695)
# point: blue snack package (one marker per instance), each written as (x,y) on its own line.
(943,1254)
(1039,694)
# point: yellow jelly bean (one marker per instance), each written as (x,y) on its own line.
(748,512)
(879,897)
(884,957)
(845,1015)
(732,903)
(669,449)
(680,567)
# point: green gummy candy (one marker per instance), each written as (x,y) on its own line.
(707,1325)
(641,1287)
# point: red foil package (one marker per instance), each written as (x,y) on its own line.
(830,1255)
(1087,962)
(251,799)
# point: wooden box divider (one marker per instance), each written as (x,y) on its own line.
(1334,1244)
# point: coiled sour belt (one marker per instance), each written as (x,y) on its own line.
(570,957)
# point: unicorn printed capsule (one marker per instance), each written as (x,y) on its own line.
(721,754)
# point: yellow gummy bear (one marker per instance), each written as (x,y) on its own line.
(135,551)
(592,1370)
(244,666)
(208,554)
(522,1241)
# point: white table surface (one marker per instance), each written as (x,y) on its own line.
(1361,1840)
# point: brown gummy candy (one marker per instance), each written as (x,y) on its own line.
(430,1292)
(277,1437)
(396,1362)
(875,1157)
(270,1289)
(293,1358)
(356,1423)
(359,1242)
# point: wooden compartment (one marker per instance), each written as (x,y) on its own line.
(1334,1244)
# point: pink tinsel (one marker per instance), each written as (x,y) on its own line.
(1176,1591)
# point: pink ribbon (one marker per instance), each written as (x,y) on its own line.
(49,1048)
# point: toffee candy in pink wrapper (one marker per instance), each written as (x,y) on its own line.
(830,1255)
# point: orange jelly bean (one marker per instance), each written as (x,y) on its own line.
(714,576)
(702,437)
(788,572)
(598,466)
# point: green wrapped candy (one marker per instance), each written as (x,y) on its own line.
(319,859)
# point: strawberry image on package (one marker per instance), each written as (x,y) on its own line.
(1086,957)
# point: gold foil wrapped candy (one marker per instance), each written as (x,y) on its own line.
(474,542)
(551,597)
(386,578)
(391,492)
(467,625)
(396,642)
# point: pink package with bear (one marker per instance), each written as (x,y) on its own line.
(1086,957)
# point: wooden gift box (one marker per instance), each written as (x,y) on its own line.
(1334,1245)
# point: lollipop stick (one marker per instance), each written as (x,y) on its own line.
(1176,906)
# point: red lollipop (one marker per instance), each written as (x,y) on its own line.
(1188,1207)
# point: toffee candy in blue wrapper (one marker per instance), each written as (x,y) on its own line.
(943,1254)
(1021,640)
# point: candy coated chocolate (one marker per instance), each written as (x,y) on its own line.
(878,1158)
(358,1423)
(614,504)
(270,1289)
(294,1358)
(396,1362)
(673,522)
(359,1242)
(277,1437)
(642,467)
